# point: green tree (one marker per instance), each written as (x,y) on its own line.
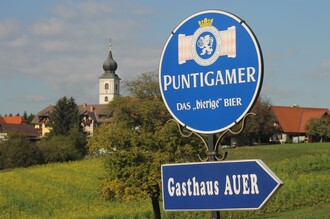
(319,127)
(30,117)
(260,125)
(25,116)
(16,151)
(145,86)
(137,142)
(78,139)
(59,148)
(65,120)
(64,116)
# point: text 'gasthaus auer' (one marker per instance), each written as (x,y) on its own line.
(244,184)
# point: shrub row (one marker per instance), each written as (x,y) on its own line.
(15,151)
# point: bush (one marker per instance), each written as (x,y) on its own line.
(79,139)
(16,151)
(58,149)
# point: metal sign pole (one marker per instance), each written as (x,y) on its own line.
(220,104)
(212,157)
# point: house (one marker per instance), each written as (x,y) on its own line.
(291,122)
(10,124)
(41,121)
(91,116)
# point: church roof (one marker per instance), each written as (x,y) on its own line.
(109,66)
(109,75)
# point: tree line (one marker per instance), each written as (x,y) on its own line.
(65,142)
(26,116)
(319,128)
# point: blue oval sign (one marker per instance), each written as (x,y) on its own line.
(211,71)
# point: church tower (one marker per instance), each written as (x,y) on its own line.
(109,81)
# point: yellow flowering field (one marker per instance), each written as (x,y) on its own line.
(62,190)
(71,190)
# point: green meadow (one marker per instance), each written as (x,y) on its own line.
(71,190)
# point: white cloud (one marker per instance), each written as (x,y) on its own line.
(18,42)
(292,52)
(54,45)
(71,10)
(65,11)
(9,27)
(93,8)
(322,71)
(49,27)
(31,99)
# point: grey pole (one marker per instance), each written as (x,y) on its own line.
(211,154)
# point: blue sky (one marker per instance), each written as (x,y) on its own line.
(50,49)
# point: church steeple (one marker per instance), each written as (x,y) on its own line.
(109,81)
(110,65)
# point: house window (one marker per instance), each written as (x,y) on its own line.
(116,86)
(106,99)
(106,86)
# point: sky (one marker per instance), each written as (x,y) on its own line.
(55,48)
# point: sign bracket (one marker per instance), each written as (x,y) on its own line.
(213,147)
(212,144)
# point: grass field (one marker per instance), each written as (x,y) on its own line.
(70,190)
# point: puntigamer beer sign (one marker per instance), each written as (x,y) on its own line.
(211,71)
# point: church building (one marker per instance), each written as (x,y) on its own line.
(109,82)
(91,114)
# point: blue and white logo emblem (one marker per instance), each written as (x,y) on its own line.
(207,44)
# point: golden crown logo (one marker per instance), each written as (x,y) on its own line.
(206,22)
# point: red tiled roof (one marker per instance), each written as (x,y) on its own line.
(12,120)
(294,119)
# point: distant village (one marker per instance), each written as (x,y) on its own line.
(290,122)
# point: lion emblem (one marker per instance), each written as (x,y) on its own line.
(206,43)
